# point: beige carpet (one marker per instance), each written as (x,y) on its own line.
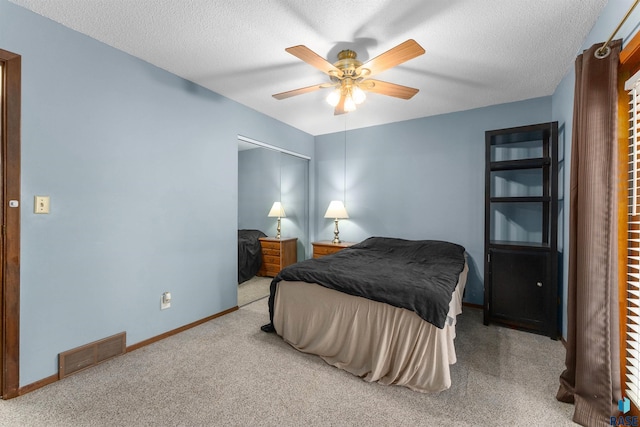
(227,372)
(253,290)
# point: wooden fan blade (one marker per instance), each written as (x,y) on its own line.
(389,89)
(302,90)
(340,107)
(313,59)
(394,56)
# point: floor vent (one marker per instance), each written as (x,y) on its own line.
(77,359)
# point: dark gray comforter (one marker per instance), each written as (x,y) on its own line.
(418,275)
(249,254)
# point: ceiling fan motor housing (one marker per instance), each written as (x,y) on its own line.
(347,63)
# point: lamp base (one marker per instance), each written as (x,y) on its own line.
(336,239)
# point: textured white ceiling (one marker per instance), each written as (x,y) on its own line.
(478,53)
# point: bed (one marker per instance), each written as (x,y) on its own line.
(384,309)
(249,254)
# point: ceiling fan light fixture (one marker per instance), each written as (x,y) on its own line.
(349,104)
(358,95)
(334,97)
(350,77)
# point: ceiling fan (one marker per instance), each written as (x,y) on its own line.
(351,78)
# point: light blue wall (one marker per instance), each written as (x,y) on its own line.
(258,187)
(294,181)
(138,163)
(418,179)
(562,110)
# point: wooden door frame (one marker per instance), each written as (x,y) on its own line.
(10,225)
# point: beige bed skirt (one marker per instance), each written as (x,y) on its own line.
(373,340)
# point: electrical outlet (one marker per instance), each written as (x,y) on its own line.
(165,301)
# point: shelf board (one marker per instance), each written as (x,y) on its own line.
(520,164)
(533,134)
(510,244)
(526,199)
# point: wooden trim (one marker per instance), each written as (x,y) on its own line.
(629,64)
(563,341)
(631,51)
(178,330)
(38,384)
(55,377)
(10,264)
(468,304)
(623,190)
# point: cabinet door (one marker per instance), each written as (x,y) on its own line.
(519,282)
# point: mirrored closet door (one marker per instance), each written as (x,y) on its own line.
(268,175)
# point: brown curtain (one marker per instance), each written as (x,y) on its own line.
(592,377)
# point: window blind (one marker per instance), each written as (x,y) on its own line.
(632,339)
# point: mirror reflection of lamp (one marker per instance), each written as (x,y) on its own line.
(336,210)
(277,211)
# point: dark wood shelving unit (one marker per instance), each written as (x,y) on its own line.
(521,228)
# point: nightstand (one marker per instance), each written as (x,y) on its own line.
(277,254)
(323,248)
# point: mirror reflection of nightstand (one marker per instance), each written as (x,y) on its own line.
(277,254)
(323,248)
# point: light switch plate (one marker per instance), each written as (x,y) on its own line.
(165,301)
(41,205)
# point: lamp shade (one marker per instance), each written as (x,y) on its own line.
(277,211)
(336,210)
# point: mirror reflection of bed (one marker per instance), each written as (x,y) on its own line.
(266,175)
(251,287)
